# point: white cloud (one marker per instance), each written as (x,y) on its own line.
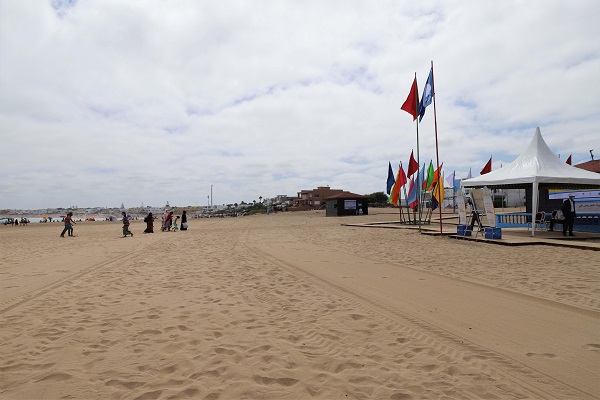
(103,102)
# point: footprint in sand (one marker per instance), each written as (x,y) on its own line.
(592,347)
(541,355)
(357,317)
(263,380)
(151,332)
(56,376)
(221,350)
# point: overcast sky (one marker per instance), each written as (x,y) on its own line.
(104,102)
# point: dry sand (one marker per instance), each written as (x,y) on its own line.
(292,306)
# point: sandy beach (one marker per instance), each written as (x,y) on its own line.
(292,306)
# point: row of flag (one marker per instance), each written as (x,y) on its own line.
(428,178)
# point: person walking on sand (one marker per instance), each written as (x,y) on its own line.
(149,220)
(184,224)
(165,215)
(126,225)
(71,228)
(168,221)
(568,209)
(68,225)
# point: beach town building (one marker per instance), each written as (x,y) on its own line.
(281,200)
(346,203)
(592,166)
(315,197)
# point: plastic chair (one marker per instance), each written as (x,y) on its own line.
(540,221)
(554,220)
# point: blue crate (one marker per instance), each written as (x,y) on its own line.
(463,230)
(493,233)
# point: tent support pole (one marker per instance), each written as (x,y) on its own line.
(534,204)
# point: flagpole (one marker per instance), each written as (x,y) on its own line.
(421,196)
(443,182)
(454,192)
(400,197)
(406,200)
(437,154)
(400,207)
(418,156)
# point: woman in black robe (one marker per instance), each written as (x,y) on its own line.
(149,223)
(184,221)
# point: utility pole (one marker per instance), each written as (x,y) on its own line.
(211,198)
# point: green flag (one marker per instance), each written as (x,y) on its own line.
(430,174)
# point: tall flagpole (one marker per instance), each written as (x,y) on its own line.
(437,154)
(418,159)
(400,198)
(406,199)
(454,192)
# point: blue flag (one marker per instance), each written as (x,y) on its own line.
(428,94)
(390,180)
(456,185)
(412,193)
(422,176)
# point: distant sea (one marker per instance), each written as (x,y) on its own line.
(35,220)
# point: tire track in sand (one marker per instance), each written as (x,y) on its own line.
(441,340)
(24,298)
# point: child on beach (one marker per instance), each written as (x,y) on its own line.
(126,225)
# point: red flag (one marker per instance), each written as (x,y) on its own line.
(410,105)
(487,168)
(412,165)
(569,160)
(401,176)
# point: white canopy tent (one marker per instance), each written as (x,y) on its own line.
(536,166)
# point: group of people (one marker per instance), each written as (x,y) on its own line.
(168,223)
(16,221)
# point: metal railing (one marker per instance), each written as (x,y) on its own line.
(587,222)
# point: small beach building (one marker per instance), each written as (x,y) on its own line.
(346,203)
